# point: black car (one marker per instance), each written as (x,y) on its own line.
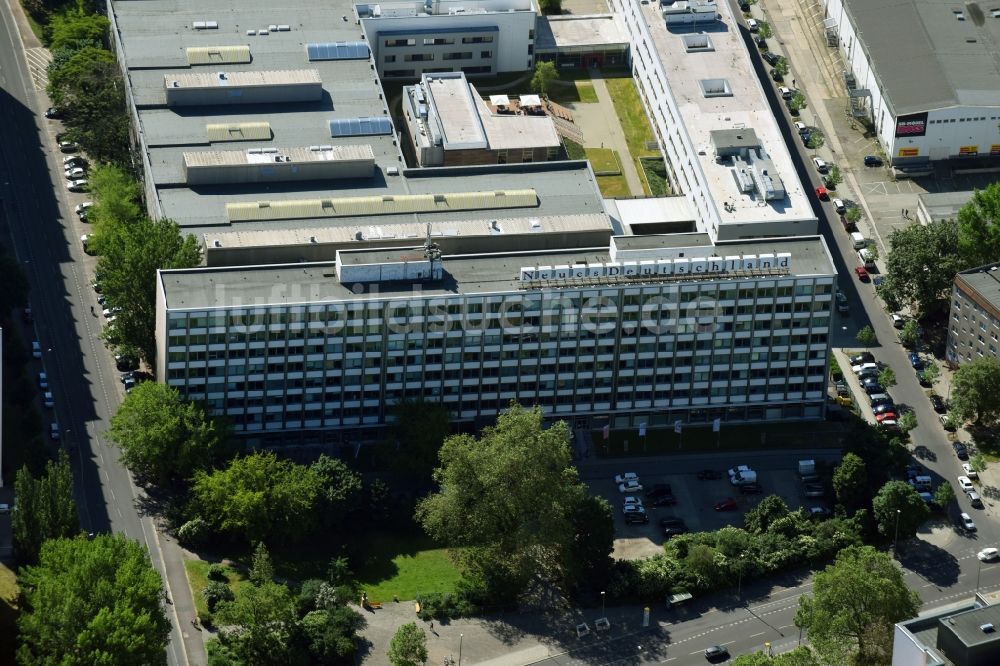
(771,58)
(751,489)
(938,404)
(636,519)
(873,161)
(126,363)
(128,377)
(717,653)
(53,113)
(663,500)
(960,450)
(709,475)
(776,76)
(872,388)
(863,357)
(744,6)
(761,43)
(658,490)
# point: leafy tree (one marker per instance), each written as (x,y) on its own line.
(545,74)
(887,377)
(930,373)
(420,428)
(907,420)
(921,265)
(856,602)
(850,482)
(816,141)
(341,491)
(979,227)
(216,592)
(833,177)
(331,634)
(781,67)
(45,508)
(550,7)
(259,497)
(866,337)
(588,558)
(764,29)
(89,87)
(507,499)
(76,28)
(92,602)
(909,336)
(944,495)
(899,496)
(131,255)
(760,518)
(258,626)
(800,656)
(165,438)
(978,463)
(975,391)
(408,646)
(117,202)
(853,213)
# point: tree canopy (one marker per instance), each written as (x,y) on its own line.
(92,602)
(507,499)
(979,227)
(164,438)
(45,508)
(545,74)
(975,391)
(921,264)
(408,646)
(75,29)
(855,604)
(260,497)
(866,336)
(419,429)
(850,482)
(899,496)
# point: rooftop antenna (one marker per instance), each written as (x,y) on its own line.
(431,250)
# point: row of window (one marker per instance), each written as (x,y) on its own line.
(428,41)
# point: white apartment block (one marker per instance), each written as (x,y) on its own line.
(478,37)
(974,325)
(652,329)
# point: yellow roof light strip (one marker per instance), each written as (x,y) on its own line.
(218,55)
(218,132)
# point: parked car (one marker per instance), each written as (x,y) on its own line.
(890,415)
(771,58)
(813,490)
(801,127)
(897,320)
(862,273)
(74,161)
(965,483)
(673,526)
(53,113)
(124,362)
(884,408)
(626,477)
(751,489)
(863,357)
(632,486)
(966,521)
(78,185)
(776,76)
(636,518)
(819,512)
(54,430)
(839,206)
(842,305)
(872,161)
(969,472)
(915,361)
(728,504)
(74,173)
(36,349)
(753,25)
(27,315)
(960,450)
(988,554)
(761,43)
(43,380)
(84,240)
(820,165)
(68,147)
(841,387)
(785,92)
(880,399)
(82,208)
(938,403)
(974,499)
(663,500)
(633,508)
(47,400)
(858,368)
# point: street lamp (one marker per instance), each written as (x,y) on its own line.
(461,638)
(979,570)
(895,539)
(602,603)
(739,585)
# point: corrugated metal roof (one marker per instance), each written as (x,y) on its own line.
(379,205)
(260,131)
(203,79)
(218,55)
(360,126)
(338,51)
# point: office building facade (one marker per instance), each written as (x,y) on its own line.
(974,318)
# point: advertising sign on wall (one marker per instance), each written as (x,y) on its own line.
(995,149)
(909,152)
(914,124)
(969,151)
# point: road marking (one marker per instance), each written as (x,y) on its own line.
(760,634)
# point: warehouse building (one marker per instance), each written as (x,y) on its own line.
(974,325)
(645,330)
(925,74)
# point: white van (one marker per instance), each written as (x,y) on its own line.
(922,483)
(865,256)
(753,25)
(858,240)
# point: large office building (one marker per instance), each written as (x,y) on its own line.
(722,144)
(974,322)
(963,634)
(924,72)
(649,329)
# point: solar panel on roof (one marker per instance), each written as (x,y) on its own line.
(338,51)
(360,126)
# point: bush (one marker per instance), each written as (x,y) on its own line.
(194,533)
(217,572)
(445,605)
(216,592)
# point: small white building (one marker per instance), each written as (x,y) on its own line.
(924,72)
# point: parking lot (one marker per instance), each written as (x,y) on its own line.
(695,499)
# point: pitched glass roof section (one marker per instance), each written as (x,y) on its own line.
(338,51)
(360,126)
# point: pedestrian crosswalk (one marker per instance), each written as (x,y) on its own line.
(38,64)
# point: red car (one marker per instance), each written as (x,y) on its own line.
(822,194)
(885,415)
(862,273)
(728,504)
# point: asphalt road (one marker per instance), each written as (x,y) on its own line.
(39,222)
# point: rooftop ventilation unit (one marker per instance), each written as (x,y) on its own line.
(392,171)
(216,243)
(312,239)
(338,51)
(263,31)
(284,27)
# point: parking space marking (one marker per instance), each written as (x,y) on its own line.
(874,188)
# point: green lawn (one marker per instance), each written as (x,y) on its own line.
(613,186)
(405,567)
(604,161)
(197,573)
(656,175)
(816,434)
(579,92)
(574,151)
(8,615)
(633,119)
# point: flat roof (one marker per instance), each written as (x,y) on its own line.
(944,205)
(568,32)
(238,79)
(509,131)
(316,283)
(205,158)
(746,107)
(984,281)
(452,100)
(694,239)
(966,625)
(411,232)
(925,57)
